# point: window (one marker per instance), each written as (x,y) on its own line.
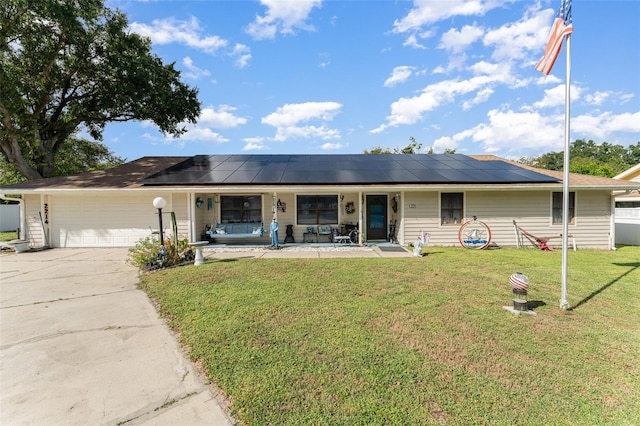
(627,204)
(557,208)
(451,208)
(317,209)
(241,209)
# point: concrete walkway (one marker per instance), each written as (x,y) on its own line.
(310,251)
(80,345)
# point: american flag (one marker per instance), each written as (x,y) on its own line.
(562,26)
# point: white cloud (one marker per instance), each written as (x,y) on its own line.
(530,131)
(254,144)
(210,118)
(516,131)
(222,118)
(517,40)
(283,16)
(202,134)
(192,70)
(484,68)
(242,54)
(292,114)
(306,132)
(189,33)
(399,75)
(623,99)
(606,124)
(457,41)
(483,95)
(597,98)
(170,30)
(406,111)
(332,146)
(427,12)
(556,96)
(412,41)
(290,120)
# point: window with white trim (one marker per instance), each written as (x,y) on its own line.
(556,212)
(451,208)
(240,208)
(317,209)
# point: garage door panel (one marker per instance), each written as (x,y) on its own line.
(102,221)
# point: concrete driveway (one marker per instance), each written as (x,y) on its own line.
(80,344)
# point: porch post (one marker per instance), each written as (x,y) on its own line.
(193,236)
(360,217)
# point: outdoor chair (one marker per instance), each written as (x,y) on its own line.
(325,230)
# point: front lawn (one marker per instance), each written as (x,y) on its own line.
(414,340)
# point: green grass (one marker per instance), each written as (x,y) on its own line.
(7,236)
(414,340)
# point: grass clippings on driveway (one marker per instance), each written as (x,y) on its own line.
(414,340)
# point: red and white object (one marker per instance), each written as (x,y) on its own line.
(519,281)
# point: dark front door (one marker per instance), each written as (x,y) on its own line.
(376,217)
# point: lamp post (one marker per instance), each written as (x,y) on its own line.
(159,204)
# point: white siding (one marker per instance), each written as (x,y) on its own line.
(9,217)
(34,227)
(628,226)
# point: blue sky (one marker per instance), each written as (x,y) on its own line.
(332,77)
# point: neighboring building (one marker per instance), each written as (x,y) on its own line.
(628,209)
(9,217)
(415,192)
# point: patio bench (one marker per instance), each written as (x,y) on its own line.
(236,230)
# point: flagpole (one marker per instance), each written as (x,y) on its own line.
(564,303)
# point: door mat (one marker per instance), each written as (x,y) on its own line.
(392,248)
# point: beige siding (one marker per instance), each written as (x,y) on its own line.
(421,215)
(179,205)
(593,225)
(530,209)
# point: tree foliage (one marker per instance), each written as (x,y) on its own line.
(71,64)
(589,158)
(414,147)
(75,156)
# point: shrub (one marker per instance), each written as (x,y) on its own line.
(149,254)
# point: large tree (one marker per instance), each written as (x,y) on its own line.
(590,158)
(72,64)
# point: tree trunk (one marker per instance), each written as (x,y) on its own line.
(13,154)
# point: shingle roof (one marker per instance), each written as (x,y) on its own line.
(128,175)
(575,179)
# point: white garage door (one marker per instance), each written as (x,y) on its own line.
(106,220)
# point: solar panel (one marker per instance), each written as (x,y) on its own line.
(342,169)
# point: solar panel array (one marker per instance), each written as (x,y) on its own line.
(342,169)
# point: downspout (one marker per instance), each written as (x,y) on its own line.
(22,221)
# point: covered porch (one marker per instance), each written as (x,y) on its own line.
(304,217)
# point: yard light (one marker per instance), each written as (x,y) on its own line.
(159,203)
(520,284)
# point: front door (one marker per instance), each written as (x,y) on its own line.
(376,217)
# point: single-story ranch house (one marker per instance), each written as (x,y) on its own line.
(235,197)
